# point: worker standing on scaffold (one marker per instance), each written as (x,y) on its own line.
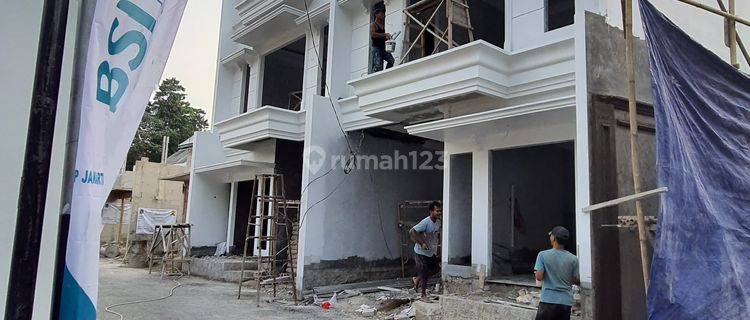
(379,37)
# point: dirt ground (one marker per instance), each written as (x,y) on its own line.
(196,298)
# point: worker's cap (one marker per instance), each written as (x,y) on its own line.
(560,233)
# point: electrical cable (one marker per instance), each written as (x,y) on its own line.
(349,165)
(302,219)
(171,293)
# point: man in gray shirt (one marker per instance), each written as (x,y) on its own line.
(426,235)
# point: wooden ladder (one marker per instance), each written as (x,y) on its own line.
(270,210)
(458,15)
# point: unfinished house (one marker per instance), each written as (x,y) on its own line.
(513,109)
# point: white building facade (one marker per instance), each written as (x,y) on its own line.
(509,115)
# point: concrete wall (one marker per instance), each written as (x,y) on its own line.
(616,277)
(348,226)
(151,192)
(208,201)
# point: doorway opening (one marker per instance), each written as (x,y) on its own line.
(533,190)
(459,209)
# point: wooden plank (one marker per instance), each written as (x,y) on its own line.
(617,201)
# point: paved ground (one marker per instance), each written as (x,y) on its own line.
(197,298)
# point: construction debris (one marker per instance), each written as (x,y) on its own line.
(366,310)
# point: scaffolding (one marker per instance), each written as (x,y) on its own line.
(272,215)
(733,42)
(422,18)
(174,242)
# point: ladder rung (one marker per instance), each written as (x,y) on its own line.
(261,217)
(261,238)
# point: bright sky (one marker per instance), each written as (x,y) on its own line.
(193,57)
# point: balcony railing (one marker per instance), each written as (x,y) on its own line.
(414,91)
(259,124)
(261,19)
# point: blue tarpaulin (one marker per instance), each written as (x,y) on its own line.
(701,264)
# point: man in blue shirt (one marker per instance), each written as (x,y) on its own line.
(426,235)
(557,269)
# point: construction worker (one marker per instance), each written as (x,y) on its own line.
(379,37)
(425,236)
(557,269)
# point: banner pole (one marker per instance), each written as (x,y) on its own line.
(86,16)
(36,163)
(633,115)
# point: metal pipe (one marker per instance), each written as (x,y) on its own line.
(36,163)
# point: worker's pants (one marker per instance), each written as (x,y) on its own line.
(551,311)
(378,56)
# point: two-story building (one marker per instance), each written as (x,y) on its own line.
(515,127)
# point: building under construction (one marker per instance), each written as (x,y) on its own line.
(522,102)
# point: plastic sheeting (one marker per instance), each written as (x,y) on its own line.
(701,264)
(111,214)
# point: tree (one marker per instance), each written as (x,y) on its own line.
(167,114)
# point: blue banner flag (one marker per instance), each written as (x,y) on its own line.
(128,48)
(701,264)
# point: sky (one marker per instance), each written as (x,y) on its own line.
(193,57)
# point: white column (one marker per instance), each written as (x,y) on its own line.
(232,213)
(481,223)
(583,220)
(446,209)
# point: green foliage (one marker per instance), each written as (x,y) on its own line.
(168,114)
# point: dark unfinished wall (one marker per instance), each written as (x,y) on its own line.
(350,231)
(617,278)
(540,178)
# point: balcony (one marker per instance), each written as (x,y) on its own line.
(478,72)
(267,122)
(261,19)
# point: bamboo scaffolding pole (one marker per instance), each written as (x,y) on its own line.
(717,11)
(421,32)
(633,114)
(733,37)
(740,44)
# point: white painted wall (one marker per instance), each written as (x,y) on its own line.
(528,24)
(581,146)
(20,23)
(360,35)
(208,199)
(226,96)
